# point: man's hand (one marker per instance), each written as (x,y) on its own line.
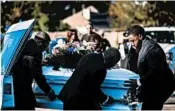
(109,100)
(136,88)
(131,83)
(139,94)
(28,61)
(51,95)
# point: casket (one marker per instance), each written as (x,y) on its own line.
(113,85)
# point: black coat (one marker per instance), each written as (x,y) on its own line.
(155,75)
(130,61)
(28,68)
(82,90)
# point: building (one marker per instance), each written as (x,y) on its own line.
(86,16)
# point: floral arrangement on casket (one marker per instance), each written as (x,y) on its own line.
(66,56)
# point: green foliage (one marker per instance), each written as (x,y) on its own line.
(47,13)
(63,26)
(41,18)
(162,12)
(126,13)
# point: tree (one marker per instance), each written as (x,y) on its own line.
(13,12)
(48,14)
(63,26)
(45,12)
(126,13)
(162,12)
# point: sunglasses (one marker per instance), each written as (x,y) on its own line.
(42,41)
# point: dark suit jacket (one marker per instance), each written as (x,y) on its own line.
(26,69)
(85,82)
(155,75)
(130,61)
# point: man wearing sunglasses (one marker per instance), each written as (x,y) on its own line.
(156,78)
(28,68)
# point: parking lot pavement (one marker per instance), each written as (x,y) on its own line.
(169,107)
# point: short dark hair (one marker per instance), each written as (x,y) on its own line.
(136,30)
(111,56)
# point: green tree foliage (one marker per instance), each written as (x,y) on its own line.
(125,13)
(47,13)
(13,12)
(162,12)
(63,26)
(157,13)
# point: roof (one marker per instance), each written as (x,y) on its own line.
(78,19)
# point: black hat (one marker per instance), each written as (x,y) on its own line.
(43,35)
(136,29)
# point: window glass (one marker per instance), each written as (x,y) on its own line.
(162,36)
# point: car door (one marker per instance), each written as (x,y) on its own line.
(14,40)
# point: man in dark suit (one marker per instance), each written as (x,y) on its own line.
(82,91)
(28,68)
(156,78)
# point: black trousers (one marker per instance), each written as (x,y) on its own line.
(157,100)
(80,103)
(24,107)
(152,105)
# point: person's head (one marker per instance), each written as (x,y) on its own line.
(89,28)
(56,51)
(72,35)
(42,39)
(135,34)
(111,57)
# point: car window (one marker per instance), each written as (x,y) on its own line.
(162,36)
